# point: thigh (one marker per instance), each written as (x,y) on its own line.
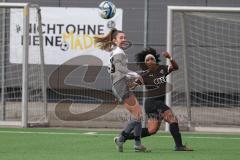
(150,107)
(132,105)
(161,107)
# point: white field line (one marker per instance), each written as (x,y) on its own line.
(109,134)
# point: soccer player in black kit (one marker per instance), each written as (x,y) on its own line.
(154,79)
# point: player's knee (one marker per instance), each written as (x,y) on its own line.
(136,119)
(170,117)
(173,119)
(135,111)
(152,130)
(130,100)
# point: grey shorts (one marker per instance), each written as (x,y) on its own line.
(120,89)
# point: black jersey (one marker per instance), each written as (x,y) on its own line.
(155,81)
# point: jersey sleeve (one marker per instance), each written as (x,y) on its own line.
(166,69)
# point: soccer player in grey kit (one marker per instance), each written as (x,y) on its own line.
(114,42)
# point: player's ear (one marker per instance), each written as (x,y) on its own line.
(114,40)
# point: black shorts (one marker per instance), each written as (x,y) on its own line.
(154,107)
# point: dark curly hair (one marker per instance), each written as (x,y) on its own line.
(140,57)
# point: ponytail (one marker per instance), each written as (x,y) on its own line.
(105,42)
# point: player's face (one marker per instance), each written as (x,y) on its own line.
(150,62)
(120,40)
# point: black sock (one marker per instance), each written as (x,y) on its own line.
(174,129)
(131,136)
(144,133)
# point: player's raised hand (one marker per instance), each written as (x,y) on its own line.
(166,55)
(173,66)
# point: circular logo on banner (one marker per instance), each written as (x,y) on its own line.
(111,24)
(64,46)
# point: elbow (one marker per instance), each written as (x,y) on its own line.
(176,67)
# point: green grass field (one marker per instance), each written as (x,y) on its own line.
(66,144)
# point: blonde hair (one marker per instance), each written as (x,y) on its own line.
(105,42)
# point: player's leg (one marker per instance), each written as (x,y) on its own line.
(134,108)
(153,119)
(121,90)
(131,104)
(153,116)
(173,126)
(169,117)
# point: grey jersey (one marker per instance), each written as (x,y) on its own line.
(118,65)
